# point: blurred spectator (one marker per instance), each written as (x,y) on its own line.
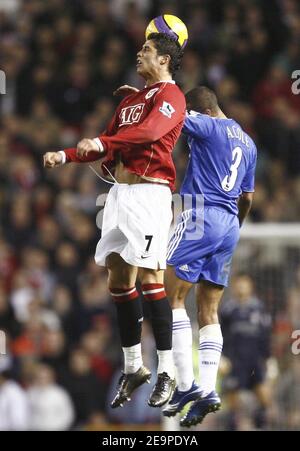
(288,396)
(50,405)
(88,393)
(8,321)
(13,402)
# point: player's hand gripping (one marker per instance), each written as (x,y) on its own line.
(125,90)
(85,146)
(52,159)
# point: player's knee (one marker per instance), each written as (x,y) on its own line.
(117,282)
(177,296)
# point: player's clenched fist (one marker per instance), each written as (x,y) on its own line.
(52,159)
(85,146)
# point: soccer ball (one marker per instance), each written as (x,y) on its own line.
(170,25)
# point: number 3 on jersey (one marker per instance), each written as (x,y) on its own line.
(229,181)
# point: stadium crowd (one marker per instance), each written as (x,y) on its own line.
(63,59)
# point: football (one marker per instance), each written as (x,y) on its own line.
(170,25)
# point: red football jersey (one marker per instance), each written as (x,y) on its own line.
(143,133)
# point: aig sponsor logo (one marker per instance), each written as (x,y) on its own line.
(131,114)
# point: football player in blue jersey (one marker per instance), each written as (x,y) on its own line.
(219,185)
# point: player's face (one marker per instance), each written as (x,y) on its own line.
(243,288)
(148,61)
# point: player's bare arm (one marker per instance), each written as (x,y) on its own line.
(125,90)
(86,150)
(244,206)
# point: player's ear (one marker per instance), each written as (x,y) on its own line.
(165,59)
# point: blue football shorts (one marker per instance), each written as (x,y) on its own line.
(202,245)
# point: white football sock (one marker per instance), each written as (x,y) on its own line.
(132,358)
(166,363)
(182,349)
(210,348)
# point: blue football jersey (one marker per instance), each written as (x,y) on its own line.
(222,161)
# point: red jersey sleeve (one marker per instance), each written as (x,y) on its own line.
(167,111)
(91,156)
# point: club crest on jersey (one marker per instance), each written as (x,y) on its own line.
(151,93)
(166,109)
(131,114)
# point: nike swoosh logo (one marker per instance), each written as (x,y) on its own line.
(145,257)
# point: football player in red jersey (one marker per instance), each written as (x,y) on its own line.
(136,150)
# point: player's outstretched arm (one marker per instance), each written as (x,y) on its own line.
(125,90)
(87,150)
(244,206)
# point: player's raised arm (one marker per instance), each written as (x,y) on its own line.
(166,113)
(125,90)
(54,159)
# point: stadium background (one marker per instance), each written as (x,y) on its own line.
(63,59)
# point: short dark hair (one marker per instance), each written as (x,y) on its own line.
(166,45)
(201,99)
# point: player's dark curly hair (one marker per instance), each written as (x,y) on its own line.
(166,45)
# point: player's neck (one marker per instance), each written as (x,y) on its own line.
(220,114)
(157,78)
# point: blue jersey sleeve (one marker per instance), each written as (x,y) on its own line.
(249,179)
(198,125)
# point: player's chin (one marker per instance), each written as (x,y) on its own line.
(139,69)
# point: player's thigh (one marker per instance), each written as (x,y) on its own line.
(208,295)
(120,273)
(177,289)
(148,275)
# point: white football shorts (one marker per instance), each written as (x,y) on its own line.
(136,225)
